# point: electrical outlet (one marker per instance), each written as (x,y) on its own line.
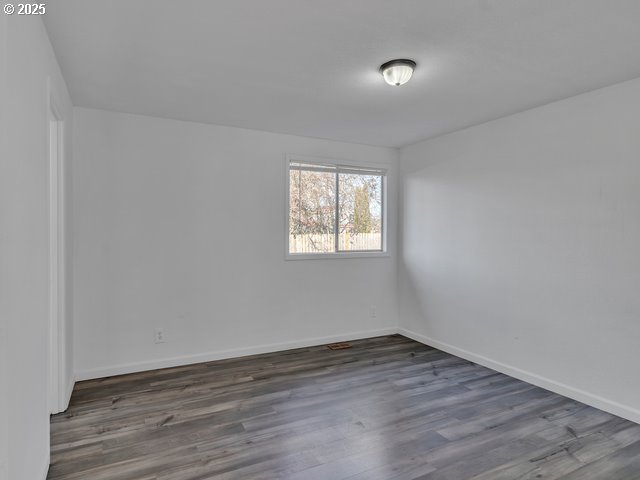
(373,312)
(159,336)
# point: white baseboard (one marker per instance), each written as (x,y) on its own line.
(224,354)
(596,401)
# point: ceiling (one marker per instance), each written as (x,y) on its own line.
(310,67)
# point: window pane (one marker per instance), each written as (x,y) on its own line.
(360,222)
(312,208)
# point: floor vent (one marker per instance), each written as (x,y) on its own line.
(339,346)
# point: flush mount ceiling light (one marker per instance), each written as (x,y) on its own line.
(397,72)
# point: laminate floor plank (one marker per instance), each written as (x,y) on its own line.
(387,408)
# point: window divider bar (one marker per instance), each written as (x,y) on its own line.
(337,219)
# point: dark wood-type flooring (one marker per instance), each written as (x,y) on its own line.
(388,408)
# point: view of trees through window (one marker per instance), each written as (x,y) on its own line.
(334,209)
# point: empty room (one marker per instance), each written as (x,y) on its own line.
(320,240)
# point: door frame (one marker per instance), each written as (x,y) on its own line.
(57,330)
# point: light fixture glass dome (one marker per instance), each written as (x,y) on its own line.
(397,72)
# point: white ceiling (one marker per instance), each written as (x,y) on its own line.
(310,67)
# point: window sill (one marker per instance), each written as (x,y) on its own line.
(333,256)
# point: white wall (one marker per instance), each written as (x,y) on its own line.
(4,342)
(27,64)
(520,245)
(181,226)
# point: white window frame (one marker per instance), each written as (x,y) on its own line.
(339,164)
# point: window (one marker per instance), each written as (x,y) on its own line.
(335,209)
